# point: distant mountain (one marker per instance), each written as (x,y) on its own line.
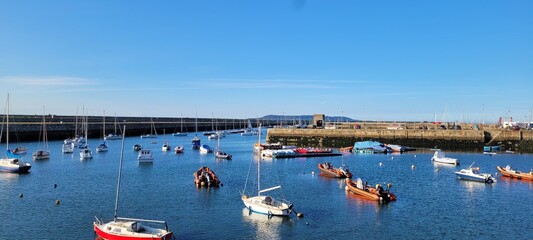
(305,118)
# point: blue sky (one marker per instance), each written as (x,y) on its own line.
(466,61)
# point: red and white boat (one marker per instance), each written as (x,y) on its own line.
(130,228)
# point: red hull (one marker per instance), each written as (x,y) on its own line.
(108,236)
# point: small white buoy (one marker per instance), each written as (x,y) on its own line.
(392,158)
(413,166)
(380,164)
(415,155)
(313,173)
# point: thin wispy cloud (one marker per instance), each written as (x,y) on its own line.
(226,83)
(53,81)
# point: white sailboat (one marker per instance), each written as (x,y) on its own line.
(166,147)
(43,152)
(102,147)
(12,163)
(115,135)
(180,133)
(249,131)
(130,228)
(196,140)
(85,152)
(153,131)
(220,154)
(265,204)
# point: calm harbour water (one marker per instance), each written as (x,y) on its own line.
(432,203)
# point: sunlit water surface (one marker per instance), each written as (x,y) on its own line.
(432,202)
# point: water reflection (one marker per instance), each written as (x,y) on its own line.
(443,165)
(361,203)
(473,186)
(266,227)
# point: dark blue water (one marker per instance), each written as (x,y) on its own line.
(432,203)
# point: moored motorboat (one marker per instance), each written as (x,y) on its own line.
(473,174)
(204,148)
(491,148)
(328,170)
(196,143)
(363,190)
(205,177)
(165,147)
(137,147)
(179,149)
(440,157)
(145,156)
(513,173)
(67,148)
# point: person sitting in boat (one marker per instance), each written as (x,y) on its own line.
(379,189)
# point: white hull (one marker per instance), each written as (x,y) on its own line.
(145,156)
(474,175)
(205,149)
(86,154)
(259,205)
(41,155)
(67,148)
(113,137)
(441,158)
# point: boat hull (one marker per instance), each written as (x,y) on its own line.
(333,172)
(370,193)
(257,204)
(515,174)
(102,233)
(475,178)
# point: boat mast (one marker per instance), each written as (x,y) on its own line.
(115,123)
(7,124)
(103,127)
(119,173)
(76,127)
(259,166)
(181,121)
(196,125)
